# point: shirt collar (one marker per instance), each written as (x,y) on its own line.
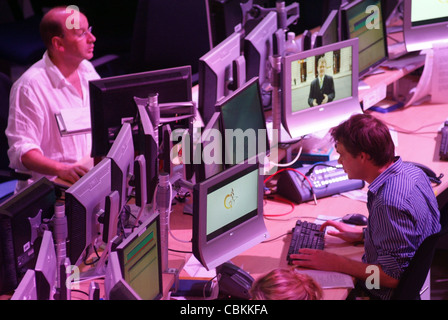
(55,75)
(393,170)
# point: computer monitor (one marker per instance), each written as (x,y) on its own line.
(112,100)
(122,157)
(301,89)
(258,47)
(363,19)
(148,147)
(243,124)
(208,158)
(85,201)
(140,260)
(329,32)
(221,70)
(27,287)
(425,23)
(228,214)
(21,218)
(115,287)
(46,268)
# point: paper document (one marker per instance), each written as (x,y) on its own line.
(329,280)
(73,121)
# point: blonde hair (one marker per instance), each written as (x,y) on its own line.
(285,284)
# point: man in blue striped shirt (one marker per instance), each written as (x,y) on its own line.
(402,207)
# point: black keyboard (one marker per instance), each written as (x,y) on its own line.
(306,235)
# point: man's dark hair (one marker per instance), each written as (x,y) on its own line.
(365,133)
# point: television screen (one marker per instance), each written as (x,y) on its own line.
(320,88)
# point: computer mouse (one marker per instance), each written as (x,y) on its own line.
(355,218)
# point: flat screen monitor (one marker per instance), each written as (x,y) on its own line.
(46,268)
(310,107)
(329,32)
(148,147)
(112,100)
(228,214)
(122,158)
(21,217)
(258,47)
(85,200)
(220,71)
(243,124)
(140,260)
(363,19)
(207,152)
(425,23)
(115,287)
(27,287)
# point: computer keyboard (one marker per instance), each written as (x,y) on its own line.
(305,235)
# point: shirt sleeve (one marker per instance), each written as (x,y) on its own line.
(25,125)
(393,236)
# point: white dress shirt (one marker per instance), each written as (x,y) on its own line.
(36,97)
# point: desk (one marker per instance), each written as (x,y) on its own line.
(418,141)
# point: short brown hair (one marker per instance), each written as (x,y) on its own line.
(365,133)
(50,28)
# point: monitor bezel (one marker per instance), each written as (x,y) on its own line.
(259,44)
(254,82)
(321,34)
(201,169)
(100,87)
(315,119)
(122,155)
(215,70)
(423,36)
(345,33)
(83,234)
(230,242)
(150,221)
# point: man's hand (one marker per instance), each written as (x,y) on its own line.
(345,232)
(316,259)
(71,173)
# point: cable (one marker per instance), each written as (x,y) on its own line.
(300,173)
(282,214)
(287,164)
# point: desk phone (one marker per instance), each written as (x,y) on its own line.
(318,180)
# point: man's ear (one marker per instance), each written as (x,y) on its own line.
(364,156)
(57,44)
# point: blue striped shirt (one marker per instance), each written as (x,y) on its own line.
(403,211)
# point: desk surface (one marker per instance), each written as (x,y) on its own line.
(417,140)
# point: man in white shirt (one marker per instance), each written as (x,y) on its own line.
(58,81)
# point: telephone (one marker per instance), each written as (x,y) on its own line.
(233,282)
(431,174)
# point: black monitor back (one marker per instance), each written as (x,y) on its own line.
(20,220)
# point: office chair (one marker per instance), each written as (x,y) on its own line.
(414,276)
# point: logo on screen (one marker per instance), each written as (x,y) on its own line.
(229,200)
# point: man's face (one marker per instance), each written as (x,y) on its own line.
(321,68)
(79,42)
(352,164)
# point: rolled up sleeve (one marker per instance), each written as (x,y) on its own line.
(25,123)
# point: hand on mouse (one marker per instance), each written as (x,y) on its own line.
(345,232)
